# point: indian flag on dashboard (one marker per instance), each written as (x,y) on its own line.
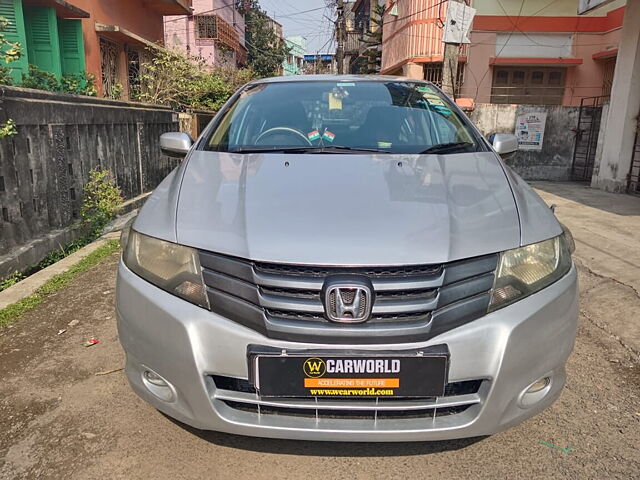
(328,136)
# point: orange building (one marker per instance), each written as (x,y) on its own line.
(117,34)
(107,38)
(521,51)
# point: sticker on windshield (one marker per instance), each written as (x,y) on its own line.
(313,135)
(346,84)
(335,102)
(384,144)
(328,136)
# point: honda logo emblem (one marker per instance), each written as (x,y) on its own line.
(348,302)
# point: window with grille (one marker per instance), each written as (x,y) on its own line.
(206,27)
(608,69)
(109,52)
(529,85)
(433,74)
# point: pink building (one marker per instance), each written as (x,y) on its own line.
(214,32)
(520,52)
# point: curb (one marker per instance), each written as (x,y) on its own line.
(29,285)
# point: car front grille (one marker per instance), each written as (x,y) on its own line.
(410,303)
(238,396)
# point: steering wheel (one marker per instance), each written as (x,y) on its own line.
(292,132)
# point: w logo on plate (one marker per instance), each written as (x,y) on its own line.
(314,367)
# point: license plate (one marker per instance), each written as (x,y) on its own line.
(326,375)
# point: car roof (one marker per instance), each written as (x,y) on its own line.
(336,78)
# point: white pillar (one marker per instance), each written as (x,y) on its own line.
(622,119)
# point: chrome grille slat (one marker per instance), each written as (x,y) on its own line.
(285,301)
(367,405)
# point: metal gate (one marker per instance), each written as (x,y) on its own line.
(584,151)
(634,174)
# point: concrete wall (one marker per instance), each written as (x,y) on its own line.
(553,162)
(60,139)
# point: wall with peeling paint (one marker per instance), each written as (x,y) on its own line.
(60,139)
(553,162)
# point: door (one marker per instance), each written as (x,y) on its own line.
(586,142)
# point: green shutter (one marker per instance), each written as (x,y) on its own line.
(71,46)
(42,39)
(12,11)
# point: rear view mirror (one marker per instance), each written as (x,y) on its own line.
(505,144)
(175,144)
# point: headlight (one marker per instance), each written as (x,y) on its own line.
(526,270)
(167,265)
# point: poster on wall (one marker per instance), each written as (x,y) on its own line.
(530,130)
(458,23)
(586,5)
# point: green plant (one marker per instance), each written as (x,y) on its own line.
(115,91)
(5,75)
(11,280)
(101,202)
(180,81)
(40,80)
(8,129)
(79,84)
(9,52)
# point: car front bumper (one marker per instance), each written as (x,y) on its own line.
(509,349)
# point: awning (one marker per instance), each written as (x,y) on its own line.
(535,62)
(604,54)
(121,35)
(171,7)
(63,9)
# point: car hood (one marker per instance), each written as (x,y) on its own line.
(346,209)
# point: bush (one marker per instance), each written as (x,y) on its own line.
(101,202)
(79,84)
(40,80)
(180,81)
(74,83)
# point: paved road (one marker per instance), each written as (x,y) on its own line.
(58,419)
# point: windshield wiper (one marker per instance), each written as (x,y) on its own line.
(271,149)
(309,149)
(447,147)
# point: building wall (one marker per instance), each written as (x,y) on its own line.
(180,31)
(413,35)
(136,17)
(549,31)
(514,32)
(297,48)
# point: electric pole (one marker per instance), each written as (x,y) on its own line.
(450,64)
(340,33)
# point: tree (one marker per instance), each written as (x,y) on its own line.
(180,81)
(372,56)
(266,52)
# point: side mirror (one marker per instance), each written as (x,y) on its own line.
(505,144)
(175,144)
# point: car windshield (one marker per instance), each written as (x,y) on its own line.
(339,116)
